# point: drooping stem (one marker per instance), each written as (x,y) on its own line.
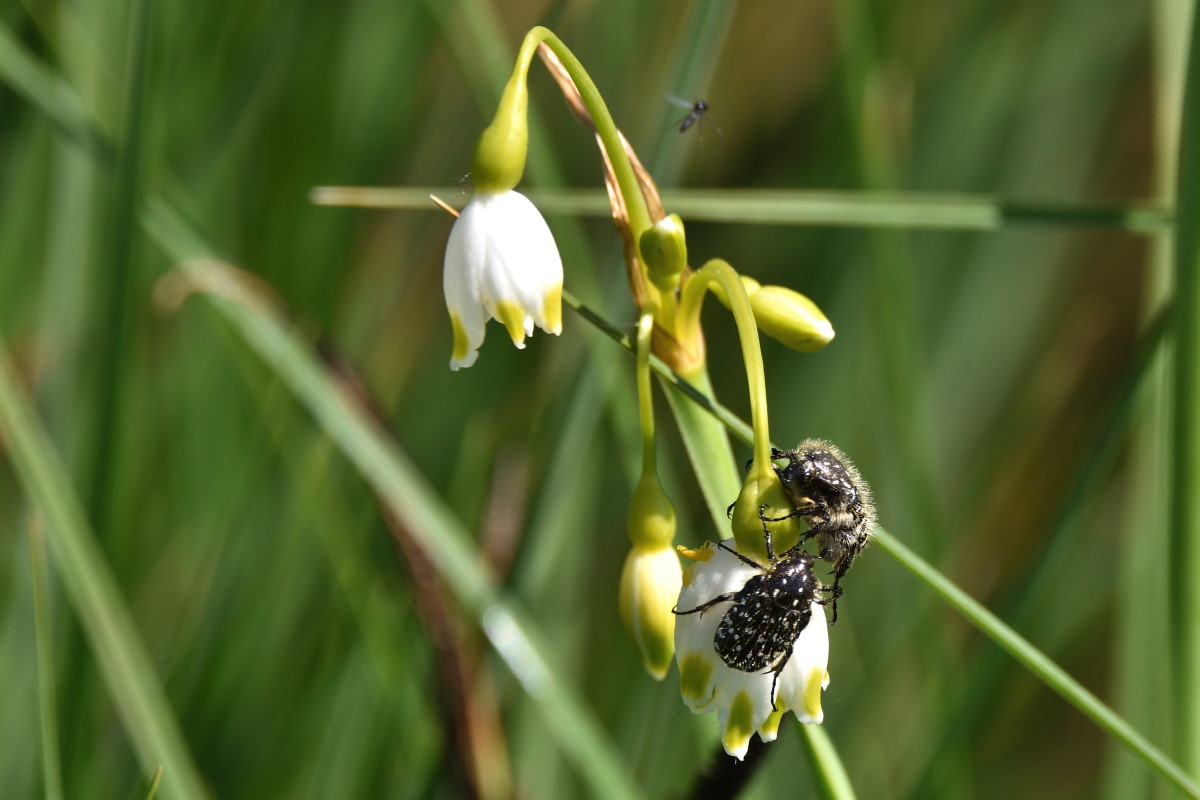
(721,273)
(606,129)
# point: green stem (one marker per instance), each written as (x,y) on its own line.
(645,398)
(720,272)
(47,704)
(606,129)
(1185,439)
(829,773)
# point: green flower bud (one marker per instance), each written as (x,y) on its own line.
(651,518)
(785,315)
(500,155)
(664,251)
(762,488)
(650,583)
(652,576)
(791,319)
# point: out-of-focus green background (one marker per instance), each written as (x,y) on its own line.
(987,383)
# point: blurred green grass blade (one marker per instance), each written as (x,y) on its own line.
(709,452)
(400,485)
(127,669)
(155,782)
(43,88)
(47,705)
(1185,439)
(1036,662)
(828,771)
(911,210)
(114,331)
(705,31)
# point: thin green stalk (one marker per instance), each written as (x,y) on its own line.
(1185,439)
(828,771)
(47,705)
(722,274)
(865,209)
(127,670)
(606,130)
(702,421)
(645,330)
(832,780)
(1036,662)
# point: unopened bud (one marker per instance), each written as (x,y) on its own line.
(500,155)
(663,248)
(651,518)
(650,583)
(791,319)
(785,315)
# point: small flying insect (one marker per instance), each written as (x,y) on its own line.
(696,113)
(759,631)
(828,493)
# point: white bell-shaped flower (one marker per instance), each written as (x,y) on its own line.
(741,699)
(501,263)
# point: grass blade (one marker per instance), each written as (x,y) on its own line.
(47,705)
(127,669)
(1185,439)
(914,210)
(1037,663)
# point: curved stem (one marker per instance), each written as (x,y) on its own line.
(720,272)
(606,129)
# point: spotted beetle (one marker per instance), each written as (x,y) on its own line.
(828,493)
(767,615)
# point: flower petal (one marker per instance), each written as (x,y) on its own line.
(806,674)
(741,699)
(501,262)
(462,285)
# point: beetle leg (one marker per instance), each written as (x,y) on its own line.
(718,599)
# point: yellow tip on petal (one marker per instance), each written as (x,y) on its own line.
(552,311)
(513,317)
(695,678)
(769,730)
(462,355)
(818,679)
(739,727)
